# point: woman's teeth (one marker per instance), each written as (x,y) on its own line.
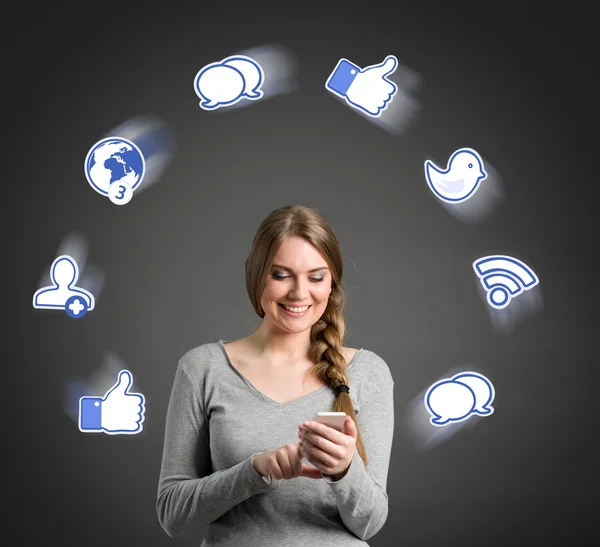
(295,310)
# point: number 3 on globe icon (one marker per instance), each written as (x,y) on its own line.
(115,167)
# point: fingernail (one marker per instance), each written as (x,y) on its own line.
(306,423)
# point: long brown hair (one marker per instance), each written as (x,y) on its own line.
(327,334)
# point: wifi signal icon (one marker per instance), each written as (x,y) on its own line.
(503,278)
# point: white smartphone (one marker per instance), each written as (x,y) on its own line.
(332,419)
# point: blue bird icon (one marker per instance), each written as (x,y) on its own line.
(461,178)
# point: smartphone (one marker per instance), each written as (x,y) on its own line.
(332,419)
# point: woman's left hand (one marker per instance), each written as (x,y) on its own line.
(329,450)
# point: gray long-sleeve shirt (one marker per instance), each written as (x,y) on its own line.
(217,420)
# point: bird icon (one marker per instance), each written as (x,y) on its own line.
(461,178)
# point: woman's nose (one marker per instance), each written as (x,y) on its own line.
(299,290)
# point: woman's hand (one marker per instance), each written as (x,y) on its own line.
(329,450)
(284,463)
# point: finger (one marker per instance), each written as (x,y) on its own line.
(326,437)
(317,463)
(385,68)
(325,459)
(323,445)
(310,472)
(273,468)
(297,461)
(283,460)
(275,471)
(322,430)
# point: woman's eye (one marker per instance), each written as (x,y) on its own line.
(282,276)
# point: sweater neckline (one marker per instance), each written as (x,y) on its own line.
(265,398)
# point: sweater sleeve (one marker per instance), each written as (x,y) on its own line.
(361,494)
(189,494)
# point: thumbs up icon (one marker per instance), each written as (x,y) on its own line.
(119,412)
(366,89)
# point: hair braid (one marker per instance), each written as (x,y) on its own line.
(327,337)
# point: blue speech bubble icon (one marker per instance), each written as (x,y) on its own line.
(448,401)
(229,81)
(456,399)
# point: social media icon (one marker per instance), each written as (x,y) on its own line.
(461,178)
(120,193)
(228,82)
(115,167)
(503,278)
(456,399)
(367,89)
(76,307)
(157,143)
(64,294)
(119,412)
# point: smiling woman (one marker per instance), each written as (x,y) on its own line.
(241,414)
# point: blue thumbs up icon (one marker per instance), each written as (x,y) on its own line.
(366,89)
(118,412)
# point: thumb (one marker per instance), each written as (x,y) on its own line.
(350,427)
(384,69)
(123,383)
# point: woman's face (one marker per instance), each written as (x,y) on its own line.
(300,279)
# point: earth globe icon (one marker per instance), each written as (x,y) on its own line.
(114,160)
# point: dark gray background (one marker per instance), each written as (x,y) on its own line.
(517,83)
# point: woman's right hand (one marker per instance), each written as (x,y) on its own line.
(284,463)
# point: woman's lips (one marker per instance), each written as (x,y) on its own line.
(292,313)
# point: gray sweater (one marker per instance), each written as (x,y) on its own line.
(217,420)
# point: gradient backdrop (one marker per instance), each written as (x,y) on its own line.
(518,84)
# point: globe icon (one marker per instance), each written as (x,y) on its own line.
(114,160)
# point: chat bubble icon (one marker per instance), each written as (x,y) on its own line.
(251,71)
(228,82)
(483,389)
(219,85)
(449,401)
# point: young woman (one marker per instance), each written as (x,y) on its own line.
(236,436)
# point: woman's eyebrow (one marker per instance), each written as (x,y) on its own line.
(309,271)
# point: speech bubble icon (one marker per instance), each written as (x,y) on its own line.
(219,85)
(483,389)
(252,72)
(448,401)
